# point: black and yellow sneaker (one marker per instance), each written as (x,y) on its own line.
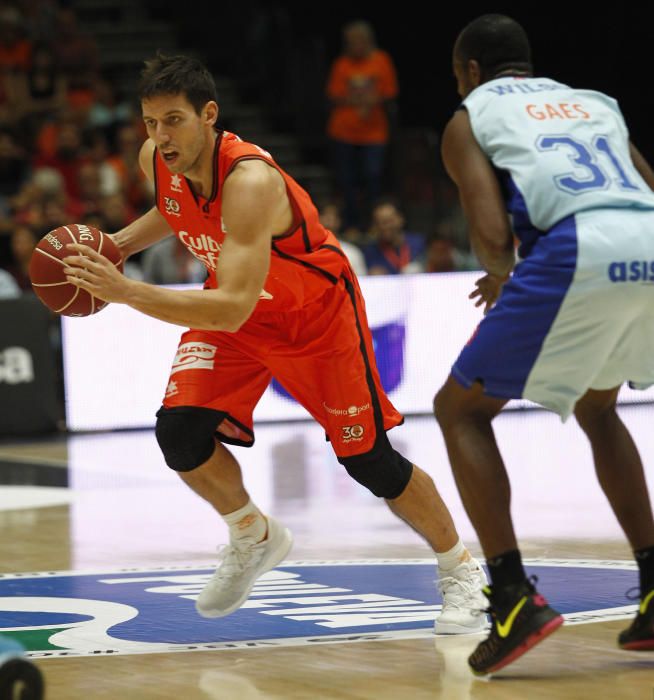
(521,618)
(639,636)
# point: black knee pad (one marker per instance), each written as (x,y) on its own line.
(186,435)
(383,470)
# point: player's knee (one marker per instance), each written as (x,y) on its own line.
(383,470)
(593,417)
(445,407)
(186,435)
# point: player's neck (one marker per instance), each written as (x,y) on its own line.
(200,176)
(512,73)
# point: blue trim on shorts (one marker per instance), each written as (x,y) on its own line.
(506,345)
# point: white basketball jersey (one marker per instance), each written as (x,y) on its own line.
(559,151)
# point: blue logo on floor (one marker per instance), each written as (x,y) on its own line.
(141,611)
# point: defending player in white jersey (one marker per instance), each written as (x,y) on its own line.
(567,324)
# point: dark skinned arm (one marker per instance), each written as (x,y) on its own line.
(481,199)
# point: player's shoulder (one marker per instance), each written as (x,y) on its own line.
(233,146)
(252,175)
(458,126)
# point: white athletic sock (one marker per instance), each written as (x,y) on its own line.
(453,557)
(247,521)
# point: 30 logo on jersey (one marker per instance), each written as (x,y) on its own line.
(172,206)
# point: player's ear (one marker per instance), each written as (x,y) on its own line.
(474,72)
(210,113)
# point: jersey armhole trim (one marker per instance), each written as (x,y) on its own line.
(310,266)
(334,248)
(298,219)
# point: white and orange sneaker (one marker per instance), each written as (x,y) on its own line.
(464,603)
(240,564)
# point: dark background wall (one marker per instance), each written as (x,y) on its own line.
(605,48)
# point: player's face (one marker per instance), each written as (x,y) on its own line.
(180,134)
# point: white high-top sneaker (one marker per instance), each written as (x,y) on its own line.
(463,600)
(240,565)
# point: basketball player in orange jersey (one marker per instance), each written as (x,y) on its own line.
(280,300)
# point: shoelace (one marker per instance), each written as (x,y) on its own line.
(447,582)
(233,560)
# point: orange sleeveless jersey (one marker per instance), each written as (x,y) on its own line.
(304,261)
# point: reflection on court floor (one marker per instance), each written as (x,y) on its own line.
(354,604)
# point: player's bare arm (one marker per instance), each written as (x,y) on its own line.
(479,191)
(149,228)
(642,166)
(255,207)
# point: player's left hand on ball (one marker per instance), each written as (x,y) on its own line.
(96,274)
(487,289)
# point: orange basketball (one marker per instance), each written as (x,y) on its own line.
(47,269)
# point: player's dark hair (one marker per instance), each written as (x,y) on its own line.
(177,75)
(498,43)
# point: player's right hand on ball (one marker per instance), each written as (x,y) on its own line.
(91,271)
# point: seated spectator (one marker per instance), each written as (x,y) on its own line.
(15,48)
(42,201)
(9,289)
(77,55)
(106,110)
(330,218)
(68,157)
(40,91)
(169,262)
(443,256)
(23,241)
(14,168)
(54,213)
(41,19)
(14,58)
(97,151)
(89,185)
(116,212)
(136,186)
(393,250)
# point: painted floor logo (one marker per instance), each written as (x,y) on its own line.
(135,611)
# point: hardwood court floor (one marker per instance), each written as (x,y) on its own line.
(99,503)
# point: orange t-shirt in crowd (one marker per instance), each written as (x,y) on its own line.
(16,57)
(373,74)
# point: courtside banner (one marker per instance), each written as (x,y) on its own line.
(117,363)
(27,368)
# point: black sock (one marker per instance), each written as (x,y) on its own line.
(506,569)
(645,561)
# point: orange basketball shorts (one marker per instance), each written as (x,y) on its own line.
(321,354)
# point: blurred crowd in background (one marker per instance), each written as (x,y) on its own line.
(69,146)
